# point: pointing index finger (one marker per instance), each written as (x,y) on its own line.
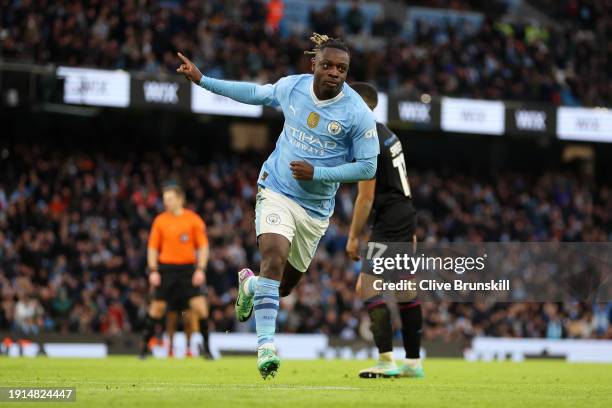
(183,58)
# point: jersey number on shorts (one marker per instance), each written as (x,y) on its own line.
(400,164)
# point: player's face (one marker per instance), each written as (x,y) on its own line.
(172,201)
(330,68)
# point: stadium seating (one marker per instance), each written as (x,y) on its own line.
(475,54)
(73,232)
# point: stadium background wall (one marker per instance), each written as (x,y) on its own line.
(119,131)
(128,343)
(48,88)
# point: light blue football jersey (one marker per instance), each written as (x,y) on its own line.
(325,133)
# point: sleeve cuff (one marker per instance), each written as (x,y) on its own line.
(316,175)
(202,80)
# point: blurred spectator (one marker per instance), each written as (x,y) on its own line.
(74,227)
(28,314)
(242,40)
(274,16)
(354,18)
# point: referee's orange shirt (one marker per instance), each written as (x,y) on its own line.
(177,237)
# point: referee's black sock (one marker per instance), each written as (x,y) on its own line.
(204,331)
(381,326)
(148,332)
(412,328)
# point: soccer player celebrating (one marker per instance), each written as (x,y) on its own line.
(394,221)
(329,137)
(177,255)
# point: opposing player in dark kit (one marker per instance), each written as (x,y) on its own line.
(388,194)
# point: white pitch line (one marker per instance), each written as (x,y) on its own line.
(192,385)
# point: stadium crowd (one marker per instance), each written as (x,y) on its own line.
(73,234)
(245,40)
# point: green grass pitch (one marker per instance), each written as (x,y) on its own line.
(235,382)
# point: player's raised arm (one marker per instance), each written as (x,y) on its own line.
(245,92)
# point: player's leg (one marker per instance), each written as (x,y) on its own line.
(177,296)
(171,321)
(248,280)
(382,330)
(291,277)
(155,313)
(411,315)
(273,218)
(199,308)
(274,249)
(190,322)
(161,296)
(412,328)
(280,257)
(275,229)
(303,248)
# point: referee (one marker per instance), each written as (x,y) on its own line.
(177,255)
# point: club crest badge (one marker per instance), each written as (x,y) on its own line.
(313,120)
(184,237)
(334,128)
(273,219)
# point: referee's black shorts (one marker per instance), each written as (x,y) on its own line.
(176,288)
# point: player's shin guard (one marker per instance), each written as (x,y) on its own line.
(147,333)
(266,303)
(412,328)
(381,325)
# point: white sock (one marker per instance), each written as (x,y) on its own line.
(413,362)
(386,357)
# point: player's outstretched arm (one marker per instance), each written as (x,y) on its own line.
(245,92)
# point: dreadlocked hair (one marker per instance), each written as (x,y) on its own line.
(322,41)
